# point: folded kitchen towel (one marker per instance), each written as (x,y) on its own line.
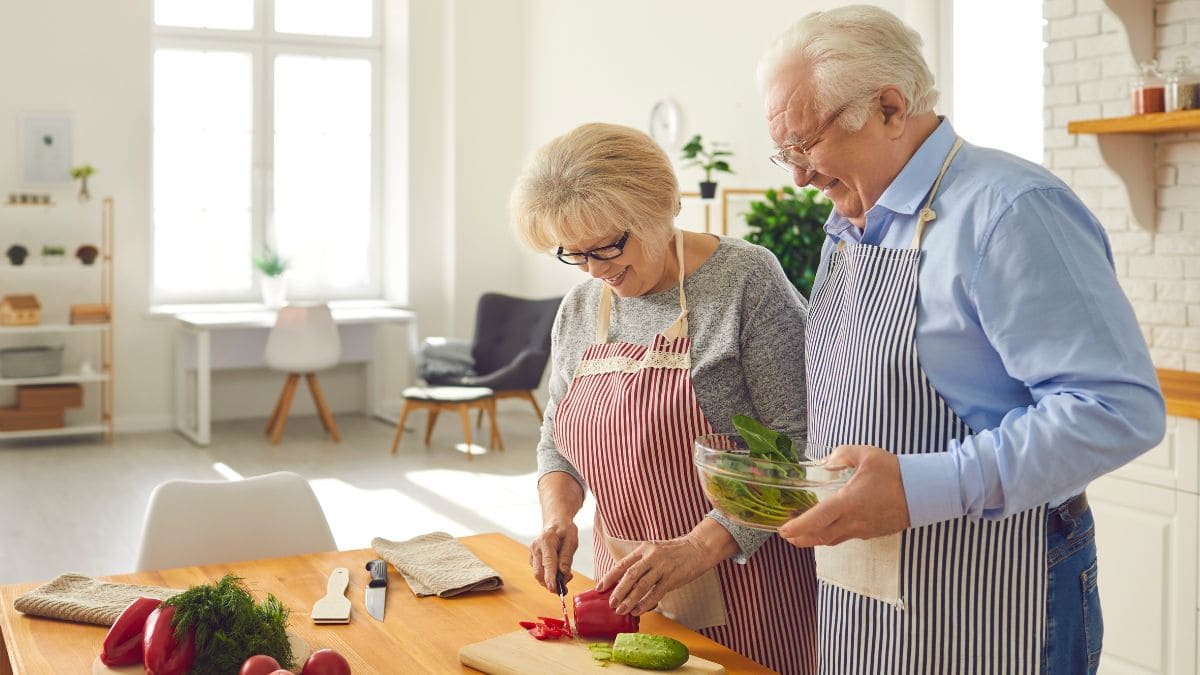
(74,597)
(437,564)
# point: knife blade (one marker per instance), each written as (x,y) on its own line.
(377,588)
(560,579)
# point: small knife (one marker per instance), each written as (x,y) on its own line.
(377,588)
(560,579)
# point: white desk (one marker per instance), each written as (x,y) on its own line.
(209,340)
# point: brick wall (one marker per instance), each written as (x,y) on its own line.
(1088,70)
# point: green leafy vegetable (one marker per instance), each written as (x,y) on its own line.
(230,626)
(770,457)
(764,442)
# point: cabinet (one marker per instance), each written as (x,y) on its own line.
(88,347)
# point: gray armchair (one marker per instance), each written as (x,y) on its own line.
(510,348)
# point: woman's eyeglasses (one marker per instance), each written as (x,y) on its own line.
(608,252)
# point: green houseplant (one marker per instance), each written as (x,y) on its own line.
(709,160)
(81,174)
(273,284)
(791,224)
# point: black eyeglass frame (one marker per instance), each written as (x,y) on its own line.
(595,253)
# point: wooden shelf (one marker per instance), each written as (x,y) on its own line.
(75,430)
(55,379)
(1182,391)
(1155,123)
(57,328)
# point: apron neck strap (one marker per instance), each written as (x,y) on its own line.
(927,214)
(677,329)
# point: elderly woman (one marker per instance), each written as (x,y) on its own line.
(969,350)
(672,334)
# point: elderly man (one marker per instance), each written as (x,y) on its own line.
(969,352)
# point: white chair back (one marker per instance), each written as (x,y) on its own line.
(200,522)
(304,340)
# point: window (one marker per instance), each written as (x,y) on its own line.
(266,133)
(998,75)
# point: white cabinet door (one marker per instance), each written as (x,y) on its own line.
(1146,537)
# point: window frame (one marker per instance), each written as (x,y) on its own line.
(263,44)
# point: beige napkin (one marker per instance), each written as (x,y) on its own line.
(74,597)
(437,564)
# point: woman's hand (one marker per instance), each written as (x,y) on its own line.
(552,551)
(656,568)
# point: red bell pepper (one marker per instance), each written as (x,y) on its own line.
(594,618)
(123,644)
(162,653)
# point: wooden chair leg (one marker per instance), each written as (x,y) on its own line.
(479,419)
(464,411)
(322,407)
(533,401)
(495,435)
(285,404)
(275,413)
(429,422)
(400,427)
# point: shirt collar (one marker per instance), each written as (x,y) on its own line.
(907,192)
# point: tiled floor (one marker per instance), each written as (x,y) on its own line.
(78,505)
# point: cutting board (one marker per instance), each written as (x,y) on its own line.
(517,653)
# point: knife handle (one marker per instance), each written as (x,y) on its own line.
(378,570)
(560,579)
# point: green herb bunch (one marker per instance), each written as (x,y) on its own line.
(53,250)
(791,225)
(770,456)
(230,626)
(270,263)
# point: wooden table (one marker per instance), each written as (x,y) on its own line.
(418,635)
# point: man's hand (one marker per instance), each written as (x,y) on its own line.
(871,504)
(552,552)
(652,570)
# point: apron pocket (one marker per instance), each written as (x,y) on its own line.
(868,567)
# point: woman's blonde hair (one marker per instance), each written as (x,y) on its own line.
(596,181)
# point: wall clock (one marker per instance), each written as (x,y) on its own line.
(664,123)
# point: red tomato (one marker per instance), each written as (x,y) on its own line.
(259,664)
(326,662)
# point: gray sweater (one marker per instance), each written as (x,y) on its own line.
(746,322)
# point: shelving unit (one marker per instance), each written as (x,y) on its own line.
(103,376)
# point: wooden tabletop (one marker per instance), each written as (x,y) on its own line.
(418,635)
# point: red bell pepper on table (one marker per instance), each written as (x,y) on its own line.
(123,644)
(594,618)
(163,654)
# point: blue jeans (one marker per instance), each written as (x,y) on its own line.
(1074,624)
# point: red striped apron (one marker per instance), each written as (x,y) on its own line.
(627,424)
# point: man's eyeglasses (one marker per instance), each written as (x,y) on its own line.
(608,252)
(795,155)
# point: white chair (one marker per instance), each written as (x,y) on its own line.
(201,522)
(304,340)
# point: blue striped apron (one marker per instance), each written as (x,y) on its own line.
(962,596)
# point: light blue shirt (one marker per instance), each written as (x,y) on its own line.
(1022,328)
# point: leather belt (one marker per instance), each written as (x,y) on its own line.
(1073,508)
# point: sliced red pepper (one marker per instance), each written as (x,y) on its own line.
(528,624)
(123,644)
(594,618)
(551,621)
(162,653)
(539,632)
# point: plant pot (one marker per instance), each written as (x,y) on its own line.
(16,255)
(87,254)
(274,291)
(708,190)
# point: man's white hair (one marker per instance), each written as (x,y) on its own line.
(852,52)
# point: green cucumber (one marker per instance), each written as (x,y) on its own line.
(653,652)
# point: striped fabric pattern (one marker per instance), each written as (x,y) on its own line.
(630,436)
(973,591)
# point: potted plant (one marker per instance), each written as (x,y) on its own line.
(81,173)
(791,224)
(273,284)
(17,254)
(708,159)
(87,254)
(53,255)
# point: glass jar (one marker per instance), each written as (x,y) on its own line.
(1148,90)
(1182,88)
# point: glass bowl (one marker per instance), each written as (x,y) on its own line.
(761,493)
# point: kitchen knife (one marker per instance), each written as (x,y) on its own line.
(377,588)
(560,579)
